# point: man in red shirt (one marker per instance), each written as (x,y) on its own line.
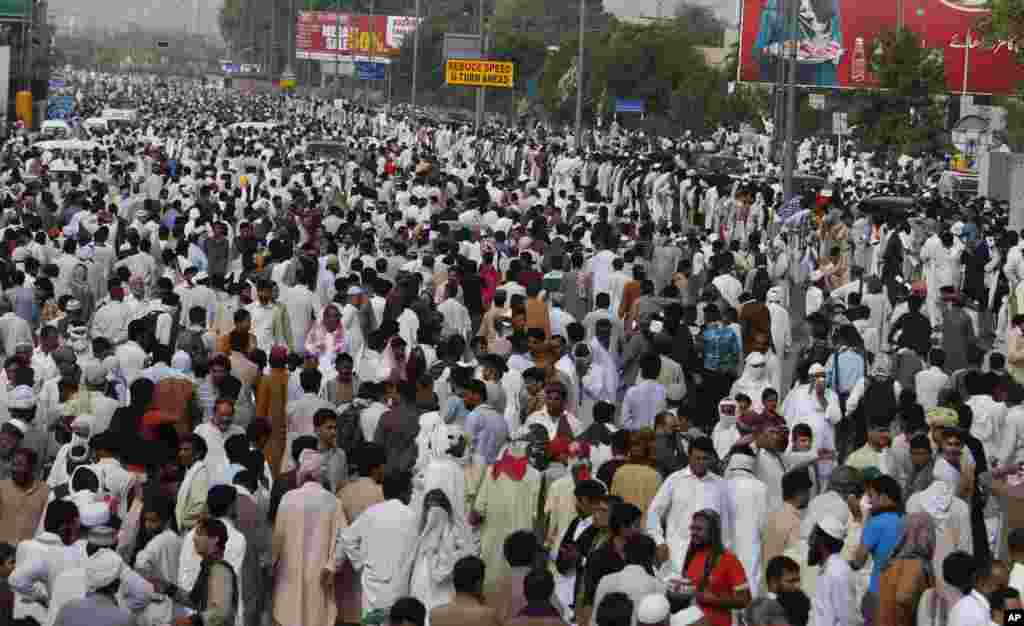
(717,575)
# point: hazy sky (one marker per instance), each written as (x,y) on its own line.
(176,13)
(649,8)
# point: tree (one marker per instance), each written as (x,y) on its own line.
(1005,22)
(703,21)
(904,113)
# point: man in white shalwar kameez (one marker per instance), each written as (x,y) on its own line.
(748,509)
(444,469)
(378,543)
(845,482)
(302,305)
(682,494)
(817,407)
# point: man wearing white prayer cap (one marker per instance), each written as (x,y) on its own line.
(103,572)
(653,610)
(98,607)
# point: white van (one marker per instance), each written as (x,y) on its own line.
(55,129)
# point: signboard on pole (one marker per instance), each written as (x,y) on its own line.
(480,73)
(839,123)
(370,71)
(327,35)
(60,107)
(840,56)
(15,9)
(5,75)
(460,46)
(624,105)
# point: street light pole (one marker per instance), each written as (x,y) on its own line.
(480,104)
(579,77)
(789,148)
(415,56)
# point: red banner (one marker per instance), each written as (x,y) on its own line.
(835,39)
(328,36)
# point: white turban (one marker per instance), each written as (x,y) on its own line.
(102,569)
(181,361)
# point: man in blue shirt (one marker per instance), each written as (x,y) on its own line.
(846,367)
(882,531)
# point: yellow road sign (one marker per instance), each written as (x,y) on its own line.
(480,73)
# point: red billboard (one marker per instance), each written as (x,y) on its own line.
(834,39)
(329,36)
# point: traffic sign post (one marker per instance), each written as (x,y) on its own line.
(840,127)
(461,46)
(480,73)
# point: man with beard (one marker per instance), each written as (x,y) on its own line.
(782,582)
(270,321)
(681,495)
(717,574)
(835,598)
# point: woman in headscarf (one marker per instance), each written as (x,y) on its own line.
(326,338)
(442,542)
(80,290)
(908,574)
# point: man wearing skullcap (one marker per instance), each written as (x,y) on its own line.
(99,607)
(845,483)
(103,566)
(301,557)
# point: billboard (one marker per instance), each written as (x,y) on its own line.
(835,40)
(326,36)
(5,80)
(480,73)
(15,9)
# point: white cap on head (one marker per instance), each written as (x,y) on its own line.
(653,609)
(94,514)
(816,369)
(833,527)
(21,397)
(18,424)
(756,358)
(102,569)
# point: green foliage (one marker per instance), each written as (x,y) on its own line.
(1005,22)
(703,22)
(229,19)
(904,114)
(658,61)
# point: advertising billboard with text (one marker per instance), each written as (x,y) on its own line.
(327,36)
(834,39)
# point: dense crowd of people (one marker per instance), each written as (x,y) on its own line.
(427,375)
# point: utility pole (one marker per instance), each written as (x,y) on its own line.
(579,77)
(789,148)
(415,57)
(373,40)
(337,51)
(480,104)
